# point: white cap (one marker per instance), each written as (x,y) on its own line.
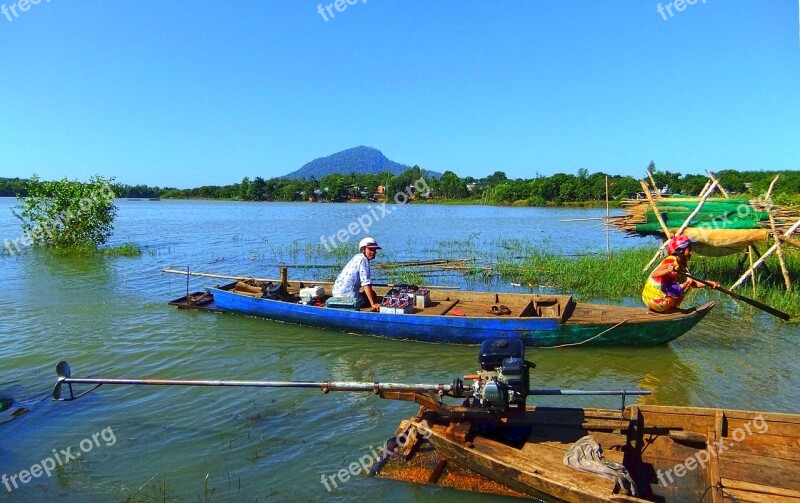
(368,243)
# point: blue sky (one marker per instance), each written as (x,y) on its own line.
(184,93)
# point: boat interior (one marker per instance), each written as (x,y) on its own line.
(453,302)
(488,305)
(672,454)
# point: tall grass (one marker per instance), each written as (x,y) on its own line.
(620,275)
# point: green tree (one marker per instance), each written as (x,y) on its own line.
(259,189)
(451,186)
(622,186)
(495,178)
(246,189)
(65,214)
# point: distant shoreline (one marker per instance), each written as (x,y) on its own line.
(439,202)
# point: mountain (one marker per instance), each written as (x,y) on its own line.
(359,160)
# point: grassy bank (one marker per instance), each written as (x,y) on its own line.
(621,276)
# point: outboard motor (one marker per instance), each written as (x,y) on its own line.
(504,379)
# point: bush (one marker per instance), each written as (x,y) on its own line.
(67,214)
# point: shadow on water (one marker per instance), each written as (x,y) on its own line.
(661,370)
(10,410)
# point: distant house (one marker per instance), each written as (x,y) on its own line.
(473,187)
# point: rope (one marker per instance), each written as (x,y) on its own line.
(587,340)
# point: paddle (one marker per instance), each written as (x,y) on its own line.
(754,303)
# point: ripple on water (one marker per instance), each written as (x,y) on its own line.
(108,317)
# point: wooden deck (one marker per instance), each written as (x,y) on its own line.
(746,456)
(475,304)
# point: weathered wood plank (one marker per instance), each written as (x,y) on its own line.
(526,473)
(760,470)
(740,496)
(714,470)
(760,488)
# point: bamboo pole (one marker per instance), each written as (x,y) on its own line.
(272,280)
(779,249)
(655,209)
(285,279)
(608,216)
(721,188)
(752,276)
(705,188)
(653,181)
(766,255)
(790,241)
(684,226)
(586,219)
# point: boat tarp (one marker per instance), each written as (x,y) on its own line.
(719,242)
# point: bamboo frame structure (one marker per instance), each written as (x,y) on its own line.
(655,208)
(779,249)
(719,185)
(766,255)
(705,188)
(684,226)
(653,181)
(779,220)
(790,241)
(750,253)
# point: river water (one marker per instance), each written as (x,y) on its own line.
(108,317)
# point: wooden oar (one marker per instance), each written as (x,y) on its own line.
(754,303)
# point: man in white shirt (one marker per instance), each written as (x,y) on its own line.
(357,274)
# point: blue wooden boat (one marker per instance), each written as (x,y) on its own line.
(461,317)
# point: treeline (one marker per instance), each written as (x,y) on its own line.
(496,188)
(11,187)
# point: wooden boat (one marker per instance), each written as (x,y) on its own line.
(492,442)
(674,454)
(539,320)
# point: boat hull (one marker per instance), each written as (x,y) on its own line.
(673,454)
(643,329)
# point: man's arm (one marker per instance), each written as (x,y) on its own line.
(366,280)
(371,297)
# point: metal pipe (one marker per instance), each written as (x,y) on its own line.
(574,392)
(325,385)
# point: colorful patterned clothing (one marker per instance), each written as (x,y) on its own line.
(664,293)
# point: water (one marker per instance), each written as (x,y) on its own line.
(108,316)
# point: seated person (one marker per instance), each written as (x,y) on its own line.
(663,292)
(357,274)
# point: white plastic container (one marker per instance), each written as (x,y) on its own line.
(311,293)
(422,299)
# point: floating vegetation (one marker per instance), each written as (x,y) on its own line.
(124,250)
(157,491)
(129,249)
